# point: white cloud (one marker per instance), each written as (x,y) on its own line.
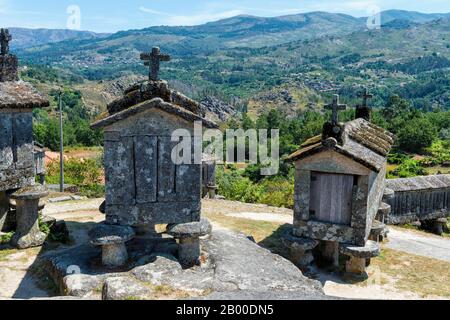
(151,11)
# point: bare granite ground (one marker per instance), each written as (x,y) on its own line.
(17,282)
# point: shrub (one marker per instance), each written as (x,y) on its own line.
(278,192)
(439,151)
(85,174)
(233,186)
(408,168)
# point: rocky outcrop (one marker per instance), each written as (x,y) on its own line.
(221,109)
(232,267)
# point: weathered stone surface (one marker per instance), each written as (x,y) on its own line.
(356,265)
(435,226)
(29,240)
(158,269)
(28,234)
(102,207)
(20,95)
(233,266)
(166,270)
(323,231)
(241,265)
(114,255)
(222,109)
(147,104)
(419,198)
(105,234)
(388,194)
(153,61)
(189,244)
(189,252)
(363,142)
(9,65)
(7,219)
(190,230)
(302,243)
(124,288)
(370,250)
(81,285)
(13,205)
(384,210)
(35,192)
(378,232)
(112,238)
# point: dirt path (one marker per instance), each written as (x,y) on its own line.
(418,243)
(59,208)
(15,280)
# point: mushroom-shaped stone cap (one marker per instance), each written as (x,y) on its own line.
(289,240)
(30,193)
(370,250)
(104,234)
(388,194)
(378,226)
(190,230)
(384,209)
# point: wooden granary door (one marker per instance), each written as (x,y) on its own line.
(331,197)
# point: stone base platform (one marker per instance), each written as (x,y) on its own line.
(231,265)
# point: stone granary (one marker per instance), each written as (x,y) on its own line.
(424,199)
(144,187)
(339,186)
(17,163)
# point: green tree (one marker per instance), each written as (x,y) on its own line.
(416,134)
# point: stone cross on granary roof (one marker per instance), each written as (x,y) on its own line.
(5,38)
(335,107)
(152,60)
(366,96)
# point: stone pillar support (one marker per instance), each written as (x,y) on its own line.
(378,231)
(112,239)
(300,249)
(435,226)
(4,211)
(188,236)
(359,256)
(383,211)
(330,252)
(27,234)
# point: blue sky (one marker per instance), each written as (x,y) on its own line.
(111,16)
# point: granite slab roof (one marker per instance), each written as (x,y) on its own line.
(363,141)
(20,95)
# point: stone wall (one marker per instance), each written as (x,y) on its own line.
(16,149)
(377,187)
